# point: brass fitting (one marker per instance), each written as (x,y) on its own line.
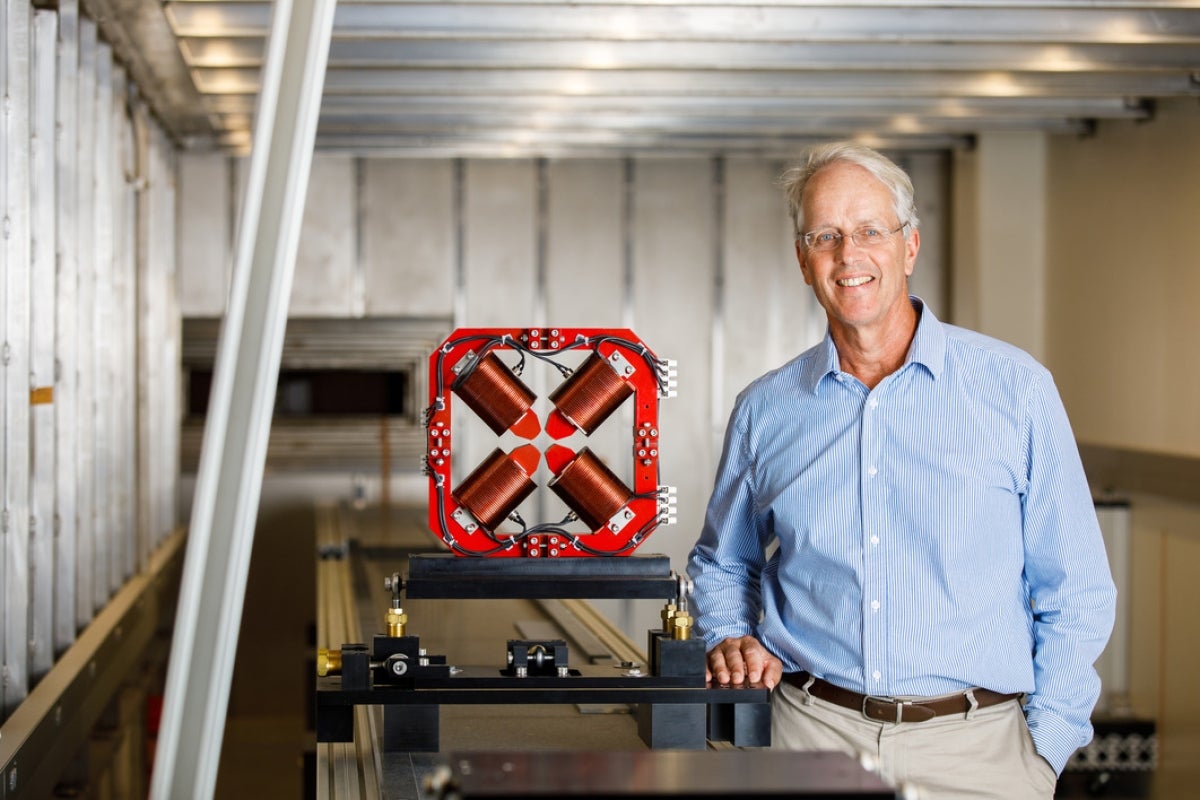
(682,626)
(668,616)
(329,662)
(396,620)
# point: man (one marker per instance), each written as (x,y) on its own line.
(939,590)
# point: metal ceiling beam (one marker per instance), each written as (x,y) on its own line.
(713,82)
(432,69)
(816,56)
(465,146)
(339,106)
(144,42)
(1126,23)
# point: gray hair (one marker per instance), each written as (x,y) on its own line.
(795,180)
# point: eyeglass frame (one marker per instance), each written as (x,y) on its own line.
(841,237)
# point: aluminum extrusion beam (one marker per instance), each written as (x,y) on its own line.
(229,481)
(16,18)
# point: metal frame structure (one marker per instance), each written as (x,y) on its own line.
(235,440)
(15,24)
(79,518)
(498,78)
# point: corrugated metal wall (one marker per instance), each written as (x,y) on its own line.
(693,254)
(90,319)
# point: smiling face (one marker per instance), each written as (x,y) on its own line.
(864,290)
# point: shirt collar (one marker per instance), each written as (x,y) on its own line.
(928,349)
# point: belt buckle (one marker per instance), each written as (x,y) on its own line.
(882,700)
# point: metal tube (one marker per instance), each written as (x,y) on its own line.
(229,480)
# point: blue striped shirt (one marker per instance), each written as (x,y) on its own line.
(932,533)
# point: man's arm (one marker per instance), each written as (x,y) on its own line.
(725,566)
(1071,589)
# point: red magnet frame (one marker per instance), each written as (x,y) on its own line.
(651,504)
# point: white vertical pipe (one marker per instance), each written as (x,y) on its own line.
(147,336)
(41,359)
(229,480)
(171,384)
(125,327)
(15,23)
(66,335)
(102,331)
(85,361)
(65,332)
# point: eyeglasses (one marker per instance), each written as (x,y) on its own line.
(828,239)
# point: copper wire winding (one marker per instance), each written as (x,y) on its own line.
(493,392)
(591,394)
(494,489)
(591,489)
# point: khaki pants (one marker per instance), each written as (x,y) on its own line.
(990,755)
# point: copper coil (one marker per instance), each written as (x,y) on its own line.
(494,489)
(591,489)
(591,394)
(494,393)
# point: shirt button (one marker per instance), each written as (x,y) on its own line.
(876,675)
(871,471)
(874,605)
(873,403)
(875,540)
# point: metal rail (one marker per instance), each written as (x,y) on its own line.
(46,731)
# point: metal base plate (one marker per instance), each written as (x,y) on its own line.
(653,774)
(444,575)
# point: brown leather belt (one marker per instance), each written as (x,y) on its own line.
(888,709)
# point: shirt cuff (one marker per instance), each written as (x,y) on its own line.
(1054,738)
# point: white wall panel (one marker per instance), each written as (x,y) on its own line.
(673,291)
(1012,239)
(327,262)
(408,237)
(499,242)
(585,264)
(499,266)
(205,234)
(15,29)
(585,276)
(69,250)
(765,298)
(929,279)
